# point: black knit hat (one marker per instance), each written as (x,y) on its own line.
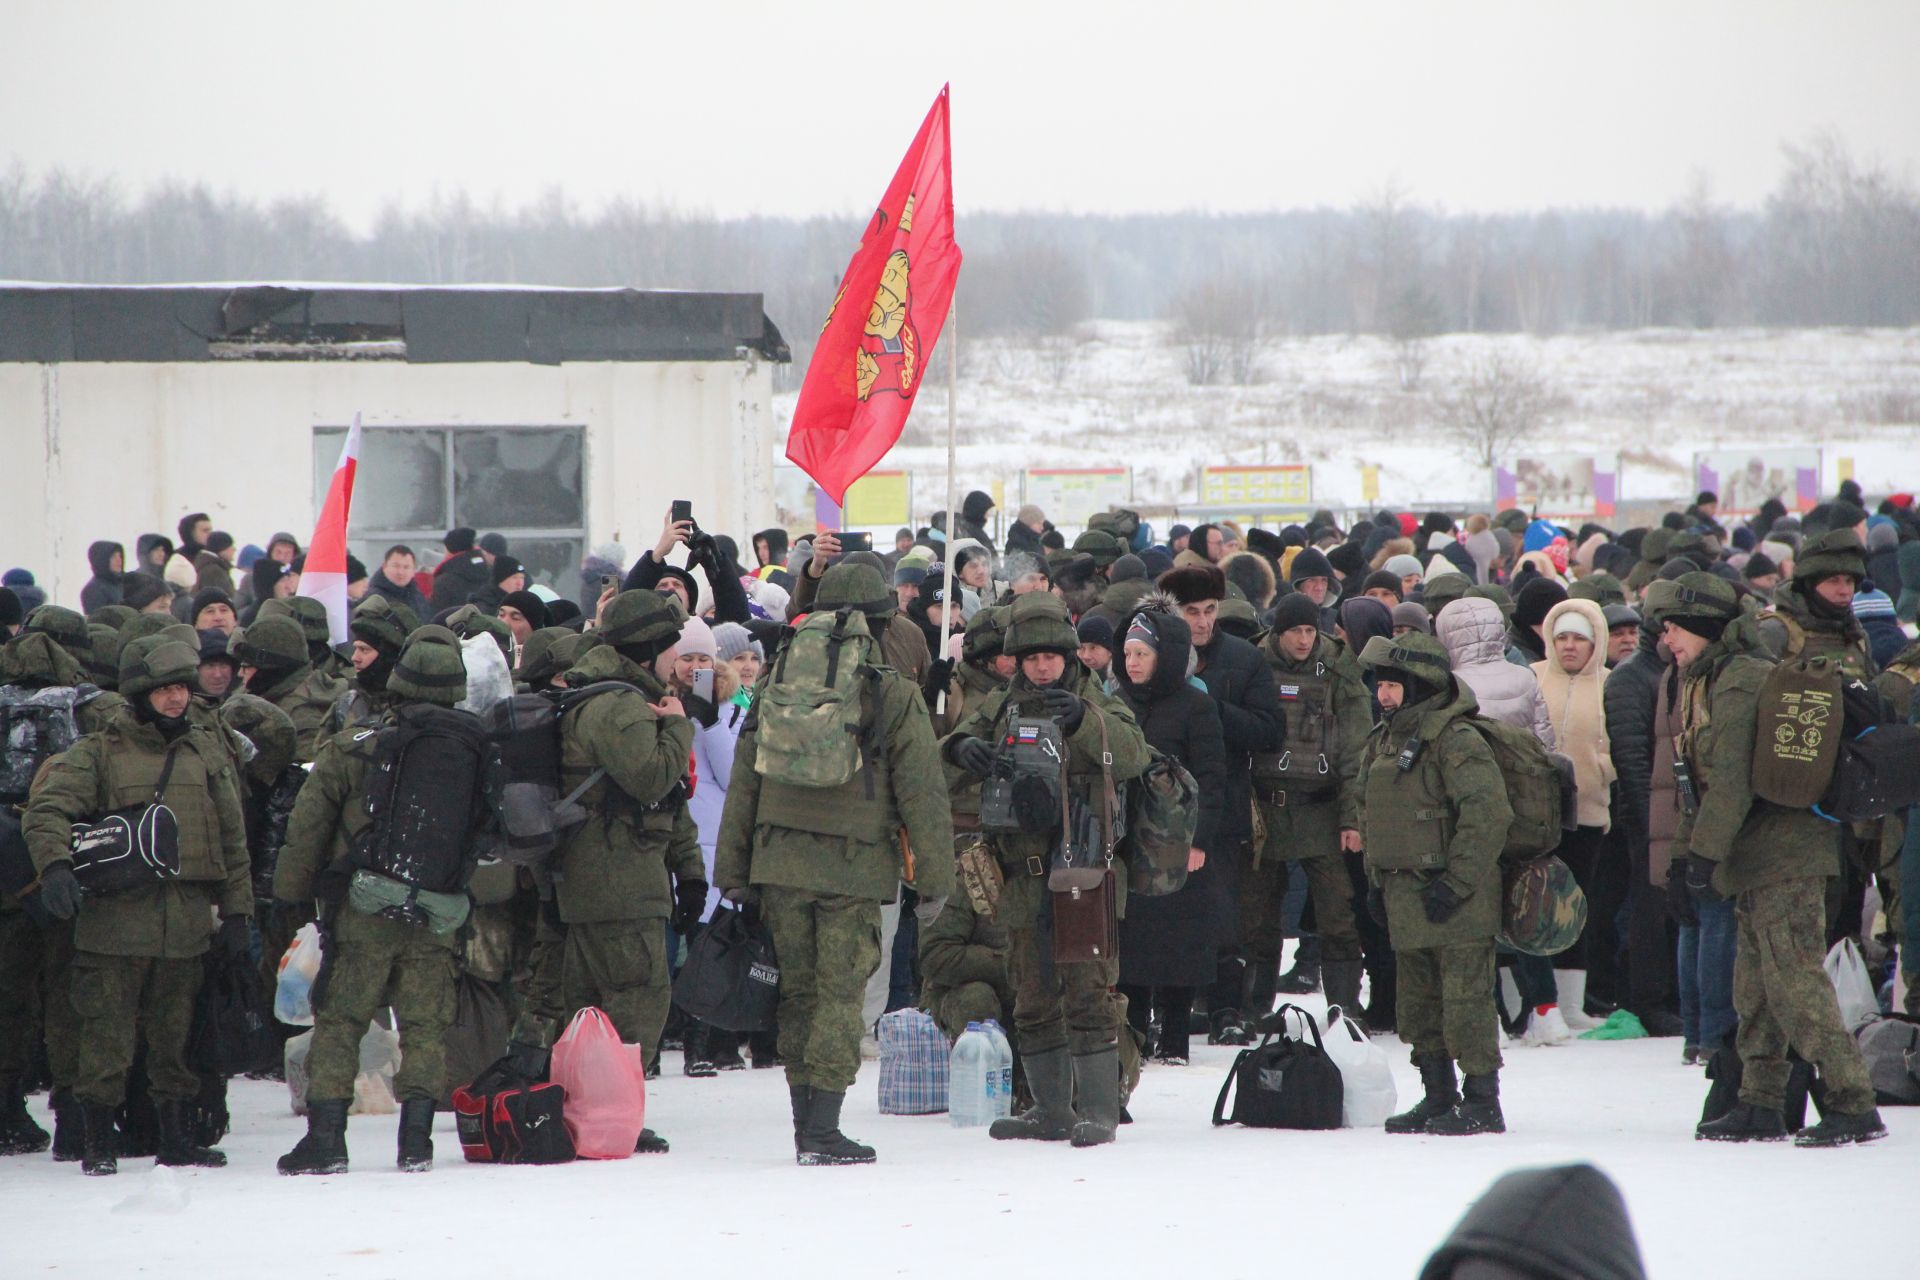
(461,539)
(1310,563)
(1295,610)
(1759,565)
(1536,600)
(531,607)
(504,567)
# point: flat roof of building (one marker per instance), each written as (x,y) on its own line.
(419,324)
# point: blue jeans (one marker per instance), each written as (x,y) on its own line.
(1706,976)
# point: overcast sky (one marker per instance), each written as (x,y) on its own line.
(735,107)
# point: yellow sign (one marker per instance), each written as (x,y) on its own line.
(1069,497)
(1257,486)
(878,498)
(1370,484)
(1846,469)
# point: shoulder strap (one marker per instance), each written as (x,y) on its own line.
(1226,1087)
(1109,808)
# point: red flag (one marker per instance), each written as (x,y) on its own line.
(877,344)
(324,576)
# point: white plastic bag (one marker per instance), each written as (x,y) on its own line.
(293,993)
(1852,984)
(1368,1095)
(488,679)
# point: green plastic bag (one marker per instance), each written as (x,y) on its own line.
(1620,1025)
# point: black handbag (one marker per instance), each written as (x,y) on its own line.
(129,848)
(731,979)
(1283,1083)
(18,878)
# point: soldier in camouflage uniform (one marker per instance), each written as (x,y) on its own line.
(274,665)
(1068,1023)
(137,965)
(310,615)
(1436,818)
(373,962)
(824,859)
(963,967)
(1773,862)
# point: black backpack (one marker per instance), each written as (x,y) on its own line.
(525,730)
(434,784)
(1877,771)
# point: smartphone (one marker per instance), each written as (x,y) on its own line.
(703,684)
(682,510)
(855,542)
(609,580)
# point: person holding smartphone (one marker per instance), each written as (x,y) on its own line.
(722,597)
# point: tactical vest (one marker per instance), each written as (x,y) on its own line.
(1800,642)
(1307,763)
(1409,825)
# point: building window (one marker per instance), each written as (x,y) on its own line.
(415,483)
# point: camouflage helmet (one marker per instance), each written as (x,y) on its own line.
(541,655)
(986,634)
(1602,588)
(309,614)
(430,668)
(275,741)
(1703,595)
(1832,553)
(644,621)
(1237,616)
(181,633)
(1443,589)
(113,615)
(378,622)
(470,620)
(64,627)
(1415,654)
(1101,545)
(1038,622)
(1655,548)
(1659,600)
(272,643)
(146,624)
(153,662)
(103,658)
(854,586)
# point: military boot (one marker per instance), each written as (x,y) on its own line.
(416,1135)
(1096,1081)
(1257,990)
(1744,1123)
(1381,1015)
(69,1139)
(1050,1118)
(698,1058)
(1840,1130)
(822,1142)
(1341,979)
(324,1149)
(802,1096)
(651,1144)
(1478,1110)
(100,1144)
(177,1146)
(19,1135)
(1442,1094)
(1304,978)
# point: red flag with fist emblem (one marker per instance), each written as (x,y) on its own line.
(876,346)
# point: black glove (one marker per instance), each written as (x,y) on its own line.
(1700,880)
(330,884)
(59,891)
(700,710)
(1377,905)
(973,755)
(1680,907)
(939,677)
(235,937)
(1440,902)
(1065,706)
(748,900)
(689,901)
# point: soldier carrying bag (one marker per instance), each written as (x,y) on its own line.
(1539,786)
(525,729)
(810,716)
(35,726)
(1877,772)
(1797,732)
(434,781)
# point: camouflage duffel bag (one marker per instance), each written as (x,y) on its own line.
(1544,910)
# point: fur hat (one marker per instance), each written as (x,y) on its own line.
(1193,583)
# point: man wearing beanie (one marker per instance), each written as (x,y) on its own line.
(373,961)
(1435,820)
(1774,862)
(1813,614)
(821,861)
(1412,616)
(1312,577)
(463,575)
(524,613)
(137,963)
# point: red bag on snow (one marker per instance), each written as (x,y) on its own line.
(506,1118)
(605,1084)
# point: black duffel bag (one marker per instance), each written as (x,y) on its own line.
(731,979)
(1282,1083)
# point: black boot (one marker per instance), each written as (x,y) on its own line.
(1478,1110)
(69,1138)
(1257,990)
(1840,1130)
(1096,1082)
(651,1144)
(100,1145)
(177,1146)
(1304,978)
(1744,1123)
(821,1142)
(699,1060)
(724,1048)
(802,1096)
(1229,1028)
(19,1135)
(1442,1094)
(416,1135)
(1050,1118)
(1381,1015)
(1341,979)
(765,1049)
(324,1149)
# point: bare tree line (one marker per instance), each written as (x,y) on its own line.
(1836,243)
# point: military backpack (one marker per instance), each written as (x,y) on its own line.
(1307,763)
(1798,727)
(525,730)
(1166,812)
(1539,788)
(810,713)
(433,786)
(35,725)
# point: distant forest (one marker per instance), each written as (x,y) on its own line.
(1836,243)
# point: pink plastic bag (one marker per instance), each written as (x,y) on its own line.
(605,1085)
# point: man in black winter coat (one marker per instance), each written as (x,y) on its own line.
(723,575)
(463,575)
(1631,694)
(109,560)
(1241,684)
(973,518)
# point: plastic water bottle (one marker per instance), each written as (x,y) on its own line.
(1003,1051)
(972,1079)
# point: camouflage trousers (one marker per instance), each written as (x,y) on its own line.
(828,946)
(1307,833)
(1055,1006)
(117,1000)
(1445,1005)
(620,967)
(415,977)
(1784,998)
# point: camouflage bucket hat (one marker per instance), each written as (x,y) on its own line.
(272,643)
(430,668)
(1544,911)
(1837,552)
(153,662)
(1037,622)
(854,586)
(643,618)
(1416,654)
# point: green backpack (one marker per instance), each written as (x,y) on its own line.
(1798,729)
(1538,788)
(810,713)
(1166,812)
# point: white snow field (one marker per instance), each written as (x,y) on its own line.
(1174,1197)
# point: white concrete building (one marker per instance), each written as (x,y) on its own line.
(561,418)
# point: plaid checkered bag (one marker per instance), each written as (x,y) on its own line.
(913,1064)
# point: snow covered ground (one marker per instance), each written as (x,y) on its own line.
(1172,1197)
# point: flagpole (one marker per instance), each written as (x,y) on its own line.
(953,383)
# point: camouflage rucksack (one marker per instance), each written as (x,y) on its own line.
(1166,811)
(810,712)
(1539,788)
(1797,731)
(1543,910)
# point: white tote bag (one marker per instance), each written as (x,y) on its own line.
(1368,1096)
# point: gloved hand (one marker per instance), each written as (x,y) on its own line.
(1440,902)
(939,677)
(1065,706)
(701,711)
(973,755)
(330,884)
(60,891)
(689,901)
(1377,905)
(1680,906)
(927,910)
(1700,880)
(235,937)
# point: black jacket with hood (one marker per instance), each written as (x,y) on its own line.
(104,588)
